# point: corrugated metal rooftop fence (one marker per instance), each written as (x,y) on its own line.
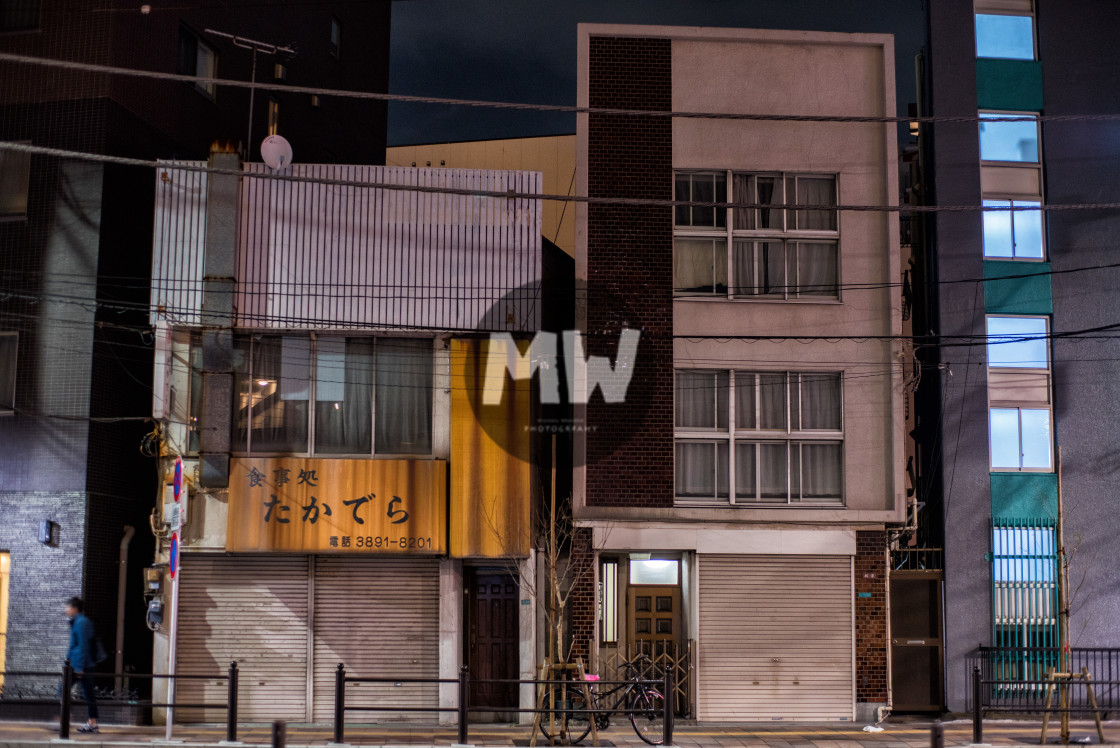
(336,254)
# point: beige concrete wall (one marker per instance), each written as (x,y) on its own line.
(801,73)
(750,71)
(553,156)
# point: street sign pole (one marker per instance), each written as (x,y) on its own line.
(176,573)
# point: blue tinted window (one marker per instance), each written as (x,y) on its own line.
(997,230)
(1034,425)
(1004,436)
(1008,37)
(1023,554)
(1013,234)
(1006,347)
(1014,140)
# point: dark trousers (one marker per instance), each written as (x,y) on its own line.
(86,682)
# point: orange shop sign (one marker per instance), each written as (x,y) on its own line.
(313,505)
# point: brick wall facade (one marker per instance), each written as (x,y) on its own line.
(871,616)
(42,576)
(630,270)
(583,610)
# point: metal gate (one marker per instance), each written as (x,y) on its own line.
(1024,600)
(252,609)
(776,638)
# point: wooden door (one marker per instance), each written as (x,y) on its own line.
(655,619)
(492,630)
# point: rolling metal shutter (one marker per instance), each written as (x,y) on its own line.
(252,609)
(380,618)
(775,638)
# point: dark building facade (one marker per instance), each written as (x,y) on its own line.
(1030,280)
(75,254)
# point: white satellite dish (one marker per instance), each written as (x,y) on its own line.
(276,152)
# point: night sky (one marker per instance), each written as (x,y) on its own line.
(525,51)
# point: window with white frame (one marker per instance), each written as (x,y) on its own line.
(1020,413)
(783,243)
(746,437)
(1014,224)
(1013,229)
(9,346)
(1005,29)
(333,395)
(197,58)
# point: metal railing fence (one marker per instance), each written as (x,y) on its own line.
(65,700)
(464,708)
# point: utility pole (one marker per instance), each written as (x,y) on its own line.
(255,46)
(1063,606)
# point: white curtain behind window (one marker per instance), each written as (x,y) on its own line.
(773,474)
(816,191)
(817,272)
(820,401)
(343,395)
(403,400)
(821,471)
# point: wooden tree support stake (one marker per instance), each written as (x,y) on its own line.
(1063,681)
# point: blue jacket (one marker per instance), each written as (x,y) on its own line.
(80,652)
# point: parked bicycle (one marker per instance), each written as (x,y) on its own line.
(641,702)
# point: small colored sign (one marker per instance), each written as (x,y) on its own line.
(173,556)
(178,481)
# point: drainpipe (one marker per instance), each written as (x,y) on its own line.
(122,580)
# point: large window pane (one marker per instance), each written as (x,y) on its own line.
(746,470)
(344,395)
(763,190)
(701,470)
(700,265)
(1007,37)
(997,230)
(816,191)
(773,471)
(1007,348)
(817,270)
(403,400)
(821,471)
(1035,428)
(702,399)
(820,402)
(1028,231)
(759,268)
(772,396)
(277,393)
(1004,437)
(746,412)
(710,187)
(1015,140)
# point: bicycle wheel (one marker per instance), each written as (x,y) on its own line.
(561,727)
(647,715)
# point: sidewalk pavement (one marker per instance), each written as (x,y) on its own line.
(896,733)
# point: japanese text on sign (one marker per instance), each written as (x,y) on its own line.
(309,504)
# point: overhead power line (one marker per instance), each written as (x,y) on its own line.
(492,104)
(513,195)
